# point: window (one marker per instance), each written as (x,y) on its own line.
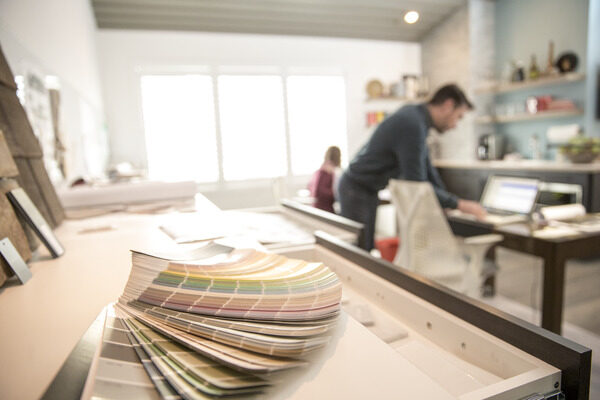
(252,126)
(268,125)
(179,120)
(317,119)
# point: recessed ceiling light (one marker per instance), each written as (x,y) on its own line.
(411,17)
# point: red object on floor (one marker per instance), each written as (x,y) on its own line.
(388,247)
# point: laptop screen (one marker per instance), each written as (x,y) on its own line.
(505,193)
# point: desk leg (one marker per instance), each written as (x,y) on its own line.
(552,292)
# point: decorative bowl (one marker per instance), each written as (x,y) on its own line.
(581,150)
(582,158)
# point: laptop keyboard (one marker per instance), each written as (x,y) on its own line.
(500,212)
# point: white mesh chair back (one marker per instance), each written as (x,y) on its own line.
(427,244)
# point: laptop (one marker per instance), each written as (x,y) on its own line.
(509,199)
(506,199)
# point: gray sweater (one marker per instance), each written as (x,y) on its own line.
(397,149)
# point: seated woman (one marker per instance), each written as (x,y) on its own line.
(322,183)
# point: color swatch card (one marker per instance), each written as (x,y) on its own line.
(217,321)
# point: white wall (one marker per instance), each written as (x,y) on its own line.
(482,58)
(446,59)
(461,50)
(57,37)
(123,54)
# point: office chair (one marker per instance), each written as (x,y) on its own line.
(428,245)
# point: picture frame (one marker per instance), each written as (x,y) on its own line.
(25,207)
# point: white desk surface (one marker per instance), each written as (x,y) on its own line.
(44,319)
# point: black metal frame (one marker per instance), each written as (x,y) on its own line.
(572,359)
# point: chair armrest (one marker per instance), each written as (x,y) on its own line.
(476,246)
(489,239)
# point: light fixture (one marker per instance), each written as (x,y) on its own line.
(411,17)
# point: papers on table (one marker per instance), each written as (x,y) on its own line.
(554,232)
(590,225)
(570,225)
(264,227)
(213,321)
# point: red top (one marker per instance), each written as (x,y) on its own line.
(321,188)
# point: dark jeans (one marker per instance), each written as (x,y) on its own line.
(359,204)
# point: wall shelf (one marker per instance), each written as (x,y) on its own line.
(398,99)
(529,84)
(489,119)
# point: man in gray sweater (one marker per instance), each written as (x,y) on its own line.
(397,149)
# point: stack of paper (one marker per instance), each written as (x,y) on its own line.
(266,228)
(214,321)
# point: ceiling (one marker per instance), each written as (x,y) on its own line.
(363,19)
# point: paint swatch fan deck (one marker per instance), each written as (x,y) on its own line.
(214,322)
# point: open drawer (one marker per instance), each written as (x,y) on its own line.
(470,349)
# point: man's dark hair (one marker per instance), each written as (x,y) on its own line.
(452,92)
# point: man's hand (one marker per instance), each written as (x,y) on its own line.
(472,207)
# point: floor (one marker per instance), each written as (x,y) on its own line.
(518,287)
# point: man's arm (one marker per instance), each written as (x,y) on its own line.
(449,200)
(471,207)
(415,164)
(446,199)
(413,157)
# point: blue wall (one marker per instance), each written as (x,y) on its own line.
(592,121)
(525,27)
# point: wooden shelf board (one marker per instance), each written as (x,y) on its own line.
(393,98)
(546,81)
(488,119)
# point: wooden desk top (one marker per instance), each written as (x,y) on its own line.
(524,230)
(522,237)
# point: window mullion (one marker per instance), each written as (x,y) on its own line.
(288,143)
(214,77)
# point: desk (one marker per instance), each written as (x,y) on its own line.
(554,252)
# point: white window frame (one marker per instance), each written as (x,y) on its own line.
(214,71)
